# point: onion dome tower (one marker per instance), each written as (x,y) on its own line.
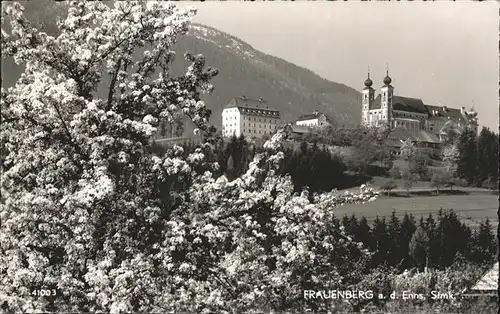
(386,94)
(368,95)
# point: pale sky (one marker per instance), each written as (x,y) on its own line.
(442,52)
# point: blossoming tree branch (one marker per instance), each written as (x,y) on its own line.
(88,212)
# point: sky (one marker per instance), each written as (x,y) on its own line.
(446,53)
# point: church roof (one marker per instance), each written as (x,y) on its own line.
(415,105)
(403,104)
(435,118)
(408,104)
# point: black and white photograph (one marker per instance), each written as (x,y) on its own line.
(249,157)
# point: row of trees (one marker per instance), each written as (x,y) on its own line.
(418,168)
(309,166)
(468,160)
(432,242)
(439,179)
(314,167)
(477,160)
(368,146)
(466,156)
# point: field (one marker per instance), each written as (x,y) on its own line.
(471,208)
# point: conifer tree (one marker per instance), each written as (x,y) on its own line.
(484,244)
(419,248)
(394,241)
(380,241)
(408,227)
(487,155)
(467,165)
(363,234)
(353,225)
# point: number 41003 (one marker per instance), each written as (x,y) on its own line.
(44,292)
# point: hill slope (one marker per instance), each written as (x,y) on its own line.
(245,71)
(242,71)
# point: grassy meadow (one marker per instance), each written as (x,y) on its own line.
(471,208)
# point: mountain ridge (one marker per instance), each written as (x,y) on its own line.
(292,89)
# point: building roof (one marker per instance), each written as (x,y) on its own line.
(403,104)
(310,116)
(415,105)
(257,107)
(419,136)
(408,104)
(436,118)
(489,282)
(443,112)
(393,142)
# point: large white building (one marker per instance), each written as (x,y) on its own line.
(251,118)
(314,120)
(411,114)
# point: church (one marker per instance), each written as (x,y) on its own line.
(410,118)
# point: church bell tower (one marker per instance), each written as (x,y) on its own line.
(368,95)
(386,95)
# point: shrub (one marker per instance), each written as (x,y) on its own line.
(438,180)
(388,186)
(461,182)
(395,172)
(408,178)
(490,184)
